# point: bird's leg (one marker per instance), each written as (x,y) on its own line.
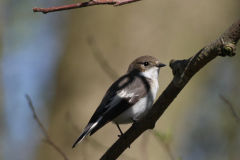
(120,132)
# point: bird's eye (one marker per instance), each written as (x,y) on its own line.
(145,64)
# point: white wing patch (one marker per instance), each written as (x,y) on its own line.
(117,98)
(125,94)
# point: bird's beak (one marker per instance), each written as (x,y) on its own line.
(161,65)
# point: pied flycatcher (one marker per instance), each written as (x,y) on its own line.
(129,98)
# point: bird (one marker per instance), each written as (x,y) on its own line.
(129,98)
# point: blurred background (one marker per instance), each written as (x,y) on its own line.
(50,58)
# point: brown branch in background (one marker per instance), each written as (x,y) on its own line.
(48,139)
(231,108)
(164,141)
(107,68)
(190,63)
(225,45)
(84,4)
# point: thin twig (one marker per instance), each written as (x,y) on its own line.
(164,144)
(106,67)
(84,4)
(190,63)
(231,108)
(48,139)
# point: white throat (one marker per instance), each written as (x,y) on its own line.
(151,73)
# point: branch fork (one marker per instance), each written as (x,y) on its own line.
(181,67)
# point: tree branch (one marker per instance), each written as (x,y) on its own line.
(231,108)
(106,67)
(225,45)
(84,4)
(48,139)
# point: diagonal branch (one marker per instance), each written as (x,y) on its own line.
(84,4)
(106,67)
(225,45)
(231,108)
(48,139)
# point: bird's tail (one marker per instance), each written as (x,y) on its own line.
(86,131)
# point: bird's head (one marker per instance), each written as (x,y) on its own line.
(146,66)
